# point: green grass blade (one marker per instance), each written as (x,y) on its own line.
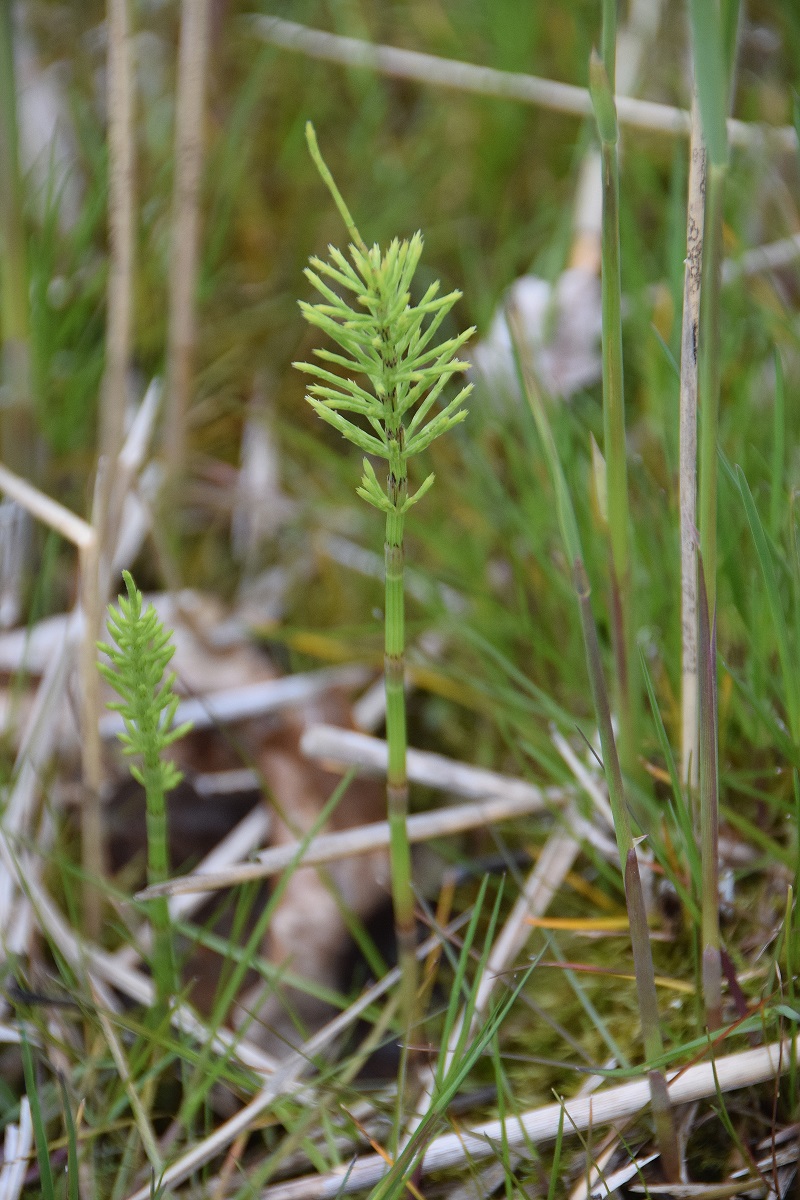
(40,1133)
(710,77)
(776,490)
(765,560)
(73,1184)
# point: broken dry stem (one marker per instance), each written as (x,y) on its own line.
(362,839)
(541,1125)
(434,71)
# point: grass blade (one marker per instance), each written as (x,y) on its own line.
(765,560)
(40,1133)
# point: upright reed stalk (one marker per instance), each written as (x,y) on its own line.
(185,233)
(600,75)
(121,220)
(712,50)
(388,343)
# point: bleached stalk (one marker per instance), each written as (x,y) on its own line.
(690,737)
(431,70)
(189,121)
(343,748)
(330,847)
(92,840)
(540,1125)
(82,535)
(120,275)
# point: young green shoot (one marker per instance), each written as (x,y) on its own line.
(380,391)
(139,656)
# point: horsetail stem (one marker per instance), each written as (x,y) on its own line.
(388,342)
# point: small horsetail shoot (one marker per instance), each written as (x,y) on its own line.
(139,657)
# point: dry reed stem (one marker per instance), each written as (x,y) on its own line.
(46,510)
(343,748)
(592,784)
(770,257)
(92,841)
(82,535)
(16,822)
(113,391)
(528,89)
(188,157)
(251,700)
(330,847)
(18,1150)
(540,1125)
(690,725)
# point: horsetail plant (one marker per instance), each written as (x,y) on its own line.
(139,657)
(388,342)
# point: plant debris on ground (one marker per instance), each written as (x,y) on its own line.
(590,626)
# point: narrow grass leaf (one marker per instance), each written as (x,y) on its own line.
(39,1130)
(73,1183)
(710,77)
(791,681)
(776,490)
